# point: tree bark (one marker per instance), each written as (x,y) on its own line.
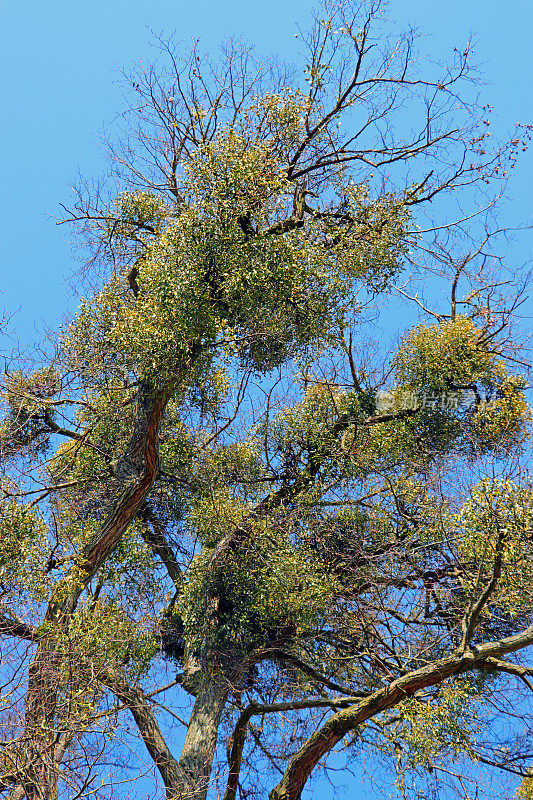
(168,767)
(188,777)
(337,726)
(135,474)
(196,760)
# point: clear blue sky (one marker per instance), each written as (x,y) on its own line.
(58,61)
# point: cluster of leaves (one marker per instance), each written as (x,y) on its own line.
(444,360)
(525,791)
(269,593)
(446,354)
(217,270)
(27,412)
(440,728)
(23,545)
(498,517)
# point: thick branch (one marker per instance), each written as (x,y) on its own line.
(497,665)
(154,537)
(239,734)
(168,767)
(326,737)
(17,629)
(135,472)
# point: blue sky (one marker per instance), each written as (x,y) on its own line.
(58,65)
(58,62)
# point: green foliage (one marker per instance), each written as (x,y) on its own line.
(434,730)
(499,515)
(104,637)
(417,440)
(203,278)
(25,421)
(441,361)
(503,425)
(141,211)
(23,542)
(271,592)
(437,357)
(525,790)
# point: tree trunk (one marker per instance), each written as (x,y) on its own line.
(135,474)
(40,769)
(196,760)
(188,778)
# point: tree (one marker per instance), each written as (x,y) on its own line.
(216,472)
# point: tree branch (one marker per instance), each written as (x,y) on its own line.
(154,537)
(326,737)
(17,629)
